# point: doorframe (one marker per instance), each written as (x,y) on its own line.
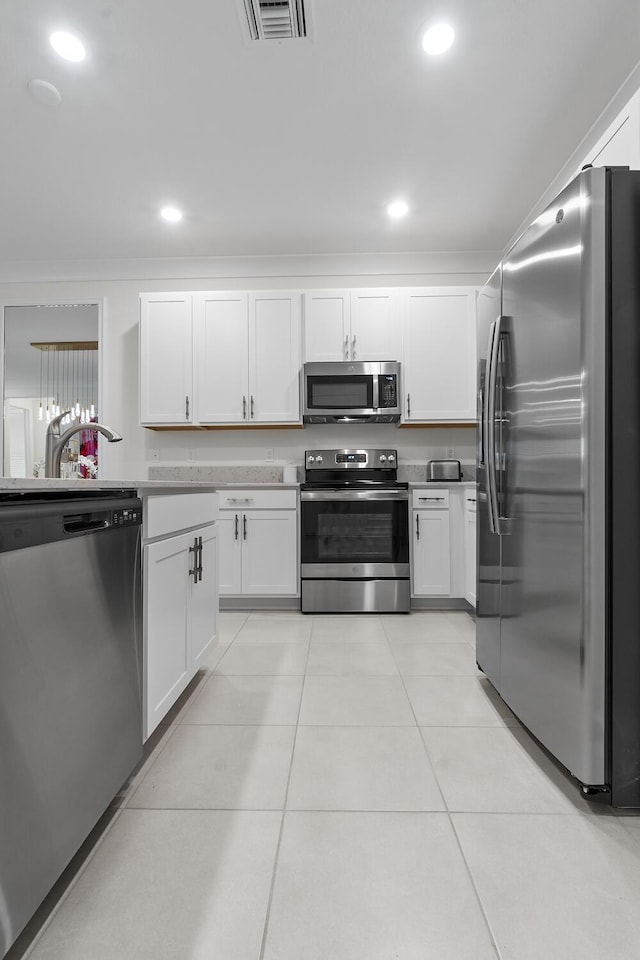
(97,302)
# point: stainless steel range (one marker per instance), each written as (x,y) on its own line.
(355,533)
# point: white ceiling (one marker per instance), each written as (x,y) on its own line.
(295,146)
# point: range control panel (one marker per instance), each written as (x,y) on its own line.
(351,459)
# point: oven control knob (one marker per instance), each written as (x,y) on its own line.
(391,457)
(318,459)
(311,459)
(382,458)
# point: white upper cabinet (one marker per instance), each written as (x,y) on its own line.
(166,358)
(221,356)
(376,330)
(439,355)
(274,357)
(327,325)
(352,325)
(233,358)
(619,146)
(244,348)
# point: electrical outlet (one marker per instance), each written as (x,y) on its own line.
(154,454)
(451,453)
(268,454)
(191,454)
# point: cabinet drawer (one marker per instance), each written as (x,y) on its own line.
(431,499)
(164,514)
(258,500)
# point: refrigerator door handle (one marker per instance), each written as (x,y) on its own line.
(491,382)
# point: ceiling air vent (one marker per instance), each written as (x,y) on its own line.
(276,19)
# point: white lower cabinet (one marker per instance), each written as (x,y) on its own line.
(259,543)
(443,542)
(180,601)
(431,543)
(470,514)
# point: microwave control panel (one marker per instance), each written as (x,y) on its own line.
(387,390)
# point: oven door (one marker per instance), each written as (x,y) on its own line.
(355,533)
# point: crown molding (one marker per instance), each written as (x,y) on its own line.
(458,267)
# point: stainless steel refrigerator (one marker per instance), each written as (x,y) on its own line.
(558,602)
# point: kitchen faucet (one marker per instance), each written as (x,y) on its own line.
(54,441)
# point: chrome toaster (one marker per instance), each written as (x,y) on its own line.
(444,470)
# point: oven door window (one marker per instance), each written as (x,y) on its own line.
(355,532)
(340,393)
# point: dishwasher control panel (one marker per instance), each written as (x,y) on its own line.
(126,517)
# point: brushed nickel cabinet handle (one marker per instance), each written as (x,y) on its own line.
(186,408)
(244,526)
(235,528)
(417,526)
(194,550)
(244,407)
(408,404)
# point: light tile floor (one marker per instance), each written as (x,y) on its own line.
(349,788)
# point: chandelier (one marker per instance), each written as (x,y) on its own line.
(68,380)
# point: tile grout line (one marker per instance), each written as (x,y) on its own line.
(265,930)
(447,811)
(485,916)
(424,746)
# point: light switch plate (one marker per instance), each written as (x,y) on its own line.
(451,453)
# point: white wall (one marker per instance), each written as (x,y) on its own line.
(130,459)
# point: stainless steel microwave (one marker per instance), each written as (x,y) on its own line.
(351,392)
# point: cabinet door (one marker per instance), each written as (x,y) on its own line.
(204,597)
(229,529)
(269,552)
(431,553)
(439,361)
(166,358)
(274,357)
(470,552)
(327,326)
(619,146)
(376,329)
(166,598)
(222,356)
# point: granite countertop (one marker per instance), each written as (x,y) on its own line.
(146,486)
(435,484)
(46,483)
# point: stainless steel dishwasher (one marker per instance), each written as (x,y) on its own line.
(70,680)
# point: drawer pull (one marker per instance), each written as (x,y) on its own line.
(431,498)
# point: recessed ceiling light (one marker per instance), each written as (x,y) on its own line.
(45,92)
(67,45)
(171,214)
(437,39)
(397,209)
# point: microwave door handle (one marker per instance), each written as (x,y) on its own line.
(490,424)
